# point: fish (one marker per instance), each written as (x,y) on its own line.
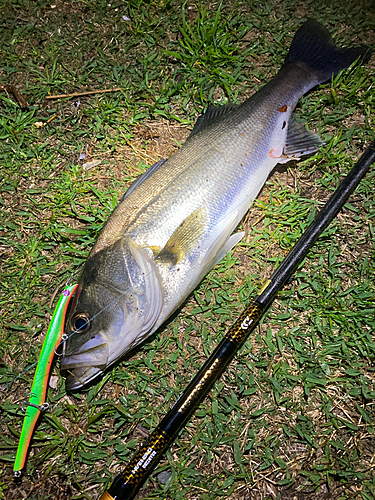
(177,220)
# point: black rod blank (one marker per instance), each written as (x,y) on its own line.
(328,212)
(128,482)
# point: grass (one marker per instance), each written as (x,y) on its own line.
(293,417)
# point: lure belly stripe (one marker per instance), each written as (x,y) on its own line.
(36,402)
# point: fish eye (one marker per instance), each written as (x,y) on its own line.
(80,322)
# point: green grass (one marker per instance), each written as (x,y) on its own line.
(294,414)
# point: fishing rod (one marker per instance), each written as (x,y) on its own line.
(128,482)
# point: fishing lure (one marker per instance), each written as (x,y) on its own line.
(36,402)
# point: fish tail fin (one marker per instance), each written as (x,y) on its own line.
(313,45)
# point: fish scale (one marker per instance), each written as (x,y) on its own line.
(244,157)
(176,222)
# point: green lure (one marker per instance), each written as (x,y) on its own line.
(36,402)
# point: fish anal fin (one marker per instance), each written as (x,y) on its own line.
(299,142)
(185,237)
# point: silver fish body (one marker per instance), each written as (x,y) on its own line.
(177,222)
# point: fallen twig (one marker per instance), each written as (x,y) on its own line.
(78,94)
(8,87)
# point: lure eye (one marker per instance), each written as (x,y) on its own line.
(80,322)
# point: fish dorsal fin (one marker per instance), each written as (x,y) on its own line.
(138,181)
(299,141)
(185,237)
(212,114)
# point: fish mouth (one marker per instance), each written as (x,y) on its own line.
(78,377)
(86,362)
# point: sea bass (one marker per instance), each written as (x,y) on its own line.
(175,223)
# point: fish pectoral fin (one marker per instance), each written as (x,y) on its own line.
(156,249)
(212,114)
(223,243)
(299,141)
(185,237)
